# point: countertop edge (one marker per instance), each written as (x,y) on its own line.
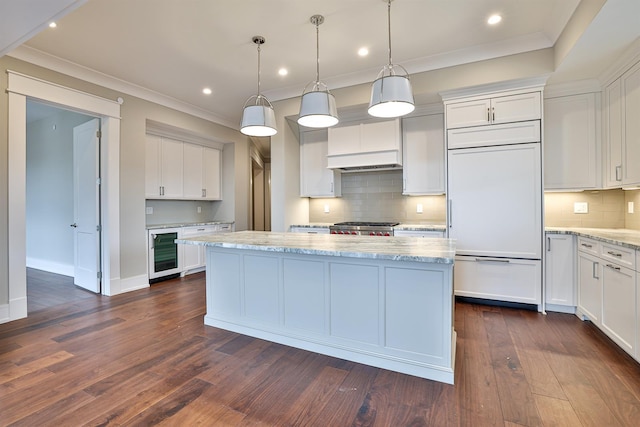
(186,224)
(607,235)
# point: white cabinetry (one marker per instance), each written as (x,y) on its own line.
(630,82)
(193,255)
(316,180)
(613,130)
(571,145)
(309,230)
(494,110)
(619,305)
(423,152)
(416,233)
(371,144)
(560,264)
(589,286)
(181,171)
(163,168)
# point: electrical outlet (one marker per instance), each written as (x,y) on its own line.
(149,210)
(630,207)
(199,209)
(419,208)
(581,207)
(326,208)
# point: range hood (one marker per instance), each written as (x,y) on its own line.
(365,147)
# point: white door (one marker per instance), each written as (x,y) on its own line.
(86,204)
(495,201)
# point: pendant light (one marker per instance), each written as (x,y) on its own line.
(391,94)
(317,106)
(258,117)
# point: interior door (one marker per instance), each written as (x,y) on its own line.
(86,205)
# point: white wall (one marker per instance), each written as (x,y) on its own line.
(49,197)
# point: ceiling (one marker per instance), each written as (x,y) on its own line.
(174,48)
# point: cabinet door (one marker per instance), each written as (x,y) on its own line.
(560,267)
(495,201)
(631,135)
(619,305)
(152,166)
(423,154)
(613,123)
(570,143)
(212,173)
(590,287)
(516,108)
(468,113)
(172,168)
(193,173)
(315,179)
(343,140)
(380,136)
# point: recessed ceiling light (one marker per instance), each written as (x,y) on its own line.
(494,19)
(283,71)
(206,91)
(52,25)
(363,51)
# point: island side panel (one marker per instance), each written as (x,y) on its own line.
(389,314)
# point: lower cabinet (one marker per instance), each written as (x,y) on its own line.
(589,287)
(512,280)
(619,305)
(607,291)
(193,256)
(560,283)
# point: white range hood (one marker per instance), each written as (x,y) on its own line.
(365,146)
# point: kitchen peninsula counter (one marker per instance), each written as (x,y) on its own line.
(386,302)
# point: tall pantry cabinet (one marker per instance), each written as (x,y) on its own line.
(494,191)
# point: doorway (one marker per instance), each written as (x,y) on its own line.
(21,87)
(62,204)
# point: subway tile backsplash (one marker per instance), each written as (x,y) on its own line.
(377,196)
(605,209)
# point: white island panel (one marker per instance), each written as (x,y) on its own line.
(261,288)
(305,295)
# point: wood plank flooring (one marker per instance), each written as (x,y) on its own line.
(146,358)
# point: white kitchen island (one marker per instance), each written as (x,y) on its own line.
(385,302)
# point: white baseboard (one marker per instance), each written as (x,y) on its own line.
(16,309)
(561,308)
(133,284)
(51,266)
(4,313)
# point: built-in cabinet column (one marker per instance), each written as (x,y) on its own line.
(560,283)
(423,151)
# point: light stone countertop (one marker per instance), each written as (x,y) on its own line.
(617,236)
(186,224)
(408,227)
(437,251)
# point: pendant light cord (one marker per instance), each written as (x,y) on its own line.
(389,27)
(317,52)
(259,69)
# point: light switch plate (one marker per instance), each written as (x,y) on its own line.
(326,208)
(630,207)
(149,210)
(419,208)
(580,207)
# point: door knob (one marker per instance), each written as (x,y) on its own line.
(74,225)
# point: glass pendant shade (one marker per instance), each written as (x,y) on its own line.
(391,93)
(318,109)
(258,119)
(391,96)
(317,105)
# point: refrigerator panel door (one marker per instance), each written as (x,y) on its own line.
(495,201)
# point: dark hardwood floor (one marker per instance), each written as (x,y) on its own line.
(46,290)
(146,358)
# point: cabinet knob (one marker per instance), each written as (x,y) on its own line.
(74,225)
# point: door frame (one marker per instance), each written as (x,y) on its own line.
(20,87)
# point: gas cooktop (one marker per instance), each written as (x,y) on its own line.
(366,224)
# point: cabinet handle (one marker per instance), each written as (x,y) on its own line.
(204,192)
(493,114)
(619,173)
(331,187)
(613,267)
(450,213)
(488,114)
(501,260)
(614,254)
(548,244)
(595,269)
(586,245)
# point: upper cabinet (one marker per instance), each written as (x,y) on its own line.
(316,180)
(494,110)
(181,171)
(423,153)
(622,130)
(571,143)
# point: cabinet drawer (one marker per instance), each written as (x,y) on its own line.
(589,246)
(618,254)
(197,231)
(485,136)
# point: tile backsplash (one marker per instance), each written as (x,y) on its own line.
(605,209)
(377,196)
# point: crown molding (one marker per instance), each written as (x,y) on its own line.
(41,59)
(533,83)
(630,56)
(572,88)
